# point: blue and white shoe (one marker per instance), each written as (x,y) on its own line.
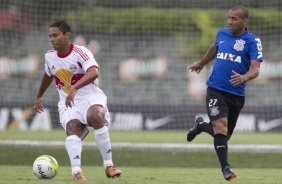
(228,173)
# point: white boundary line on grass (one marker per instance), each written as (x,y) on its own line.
(254,148)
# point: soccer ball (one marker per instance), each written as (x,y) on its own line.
(45,167)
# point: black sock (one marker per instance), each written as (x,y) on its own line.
(221,148)
(206,127)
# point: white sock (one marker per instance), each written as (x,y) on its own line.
(104,144)
(74,146)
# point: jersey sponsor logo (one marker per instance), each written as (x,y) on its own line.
(259,47)
(229,57)
(239,45)
(63,80)
(214,111)
(76,78)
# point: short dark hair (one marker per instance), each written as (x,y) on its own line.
(243,8)
(62,25)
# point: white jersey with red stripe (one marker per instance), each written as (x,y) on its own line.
(69,68)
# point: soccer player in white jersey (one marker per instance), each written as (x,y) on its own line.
(82,103)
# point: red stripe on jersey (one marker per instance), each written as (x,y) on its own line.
(59,83)
(76,78)
(84,54)
(81,53)
(68,53)
(94,66)
(79,64)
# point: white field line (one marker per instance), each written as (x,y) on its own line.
(256,148)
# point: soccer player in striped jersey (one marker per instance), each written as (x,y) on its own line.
(81,102)
(238,55)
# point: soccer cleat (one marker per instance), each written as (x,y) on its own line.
(78,176)
(193,132)
(228,173)
(112,171)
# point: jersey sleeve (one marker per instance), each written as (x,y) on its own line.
(47,69)
(87,60)
(256,50)
(216,39)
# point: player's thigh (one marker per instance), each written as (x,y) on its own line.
(216,104)
(234,112)
(67,114)
(232,119)
(96,103)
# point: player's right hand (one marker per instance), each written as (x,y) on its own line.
(70,98)
(195,67)
(38,105)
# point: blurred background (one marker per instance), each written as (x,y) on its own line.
(143,48)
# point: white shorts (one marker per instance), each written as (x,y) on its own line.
(80,108)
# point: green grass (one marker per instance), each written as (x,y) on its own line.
(160,136)
(144,166)
(151,158)
(143,175)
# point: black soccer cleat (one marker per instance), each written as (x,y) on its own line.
(195,130)
(228,173)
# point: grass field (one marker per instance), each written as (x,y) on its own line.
(144,166)
(147,137)
(143,175)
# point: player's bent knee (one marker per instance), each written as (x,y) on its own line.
(96,122)
(96,116)
(220,130)
(74,127)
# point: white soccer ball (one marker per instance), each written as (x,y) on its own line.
(45,167)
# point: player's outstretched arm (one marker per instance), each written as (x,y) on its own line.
(45,83)
(210,55)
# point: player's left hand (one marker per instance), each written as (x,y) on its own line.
(237,78)
(70,97)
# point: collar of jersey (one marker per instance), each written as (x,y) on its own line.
(68,53)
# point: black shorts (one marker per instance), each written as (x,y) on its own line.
(221,104)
